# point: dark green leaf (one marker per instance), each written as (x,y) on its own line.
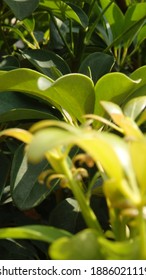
(22,8)
(4,172)
(35,232)
(47,62)
(65,215)
(15,107)
(9,63)
(96,65)
(27,192)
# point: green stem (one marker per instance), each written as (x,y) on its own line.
(93,26)
(61,35)
(86,210)
(35,40)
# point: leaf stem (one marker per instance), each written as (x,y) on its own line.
(61,35)
(86,210)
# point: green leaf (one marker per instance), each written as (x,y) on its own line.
(96,65)
(29,24)
(34,232)
(82,246)
(22,8)
(24,114)
(9,63)
(47,62)
(65,215)
(14,106)
(60,10)
(140,89)
(126,250)
(96,144)
(4,174)
(26,190)
(135,107)
(134,19)
(73,92)
(114,17)
(81,14)
(26,81)
(141,36)
(138,155)
(115,87)
(128,126)
(18,133)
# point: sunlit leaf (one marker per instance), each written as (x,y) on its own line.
(34,232)
(135,107)
(138,155)
(60,9)
(18,133)
(115,87)
(82,246)
(127,124)
(72,92)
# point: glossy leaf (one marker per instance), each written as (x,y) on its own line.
(138,155)
(113,15)
(115,87)
(66,215)
(47,62)
(24,114)
(80,12)
(141,36)
(126,250)
(26,190)
(134,19)
(34,232)
(14,106)
(135,107)
(73,92)
(4,173)
(9,63)
(128,126)
(92,142)
(60,9)
(96,65)
(82,246)
(18,133)
(22,8)
(140,89)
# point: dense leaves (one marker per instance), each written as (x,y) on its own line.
(77,183)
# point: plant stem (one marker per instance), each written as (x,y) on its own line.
(93,26)
(86,210)
(61,35)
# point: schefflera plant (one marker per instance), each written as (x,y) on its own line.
(120,155)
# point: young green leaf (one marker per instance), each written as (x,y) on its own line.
(34,232)
(82,246)
(115,87)
(135,107)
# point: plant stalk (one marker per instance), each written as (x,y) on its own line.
(86,210)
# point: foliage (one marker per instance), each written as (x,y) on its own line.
(72,88)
